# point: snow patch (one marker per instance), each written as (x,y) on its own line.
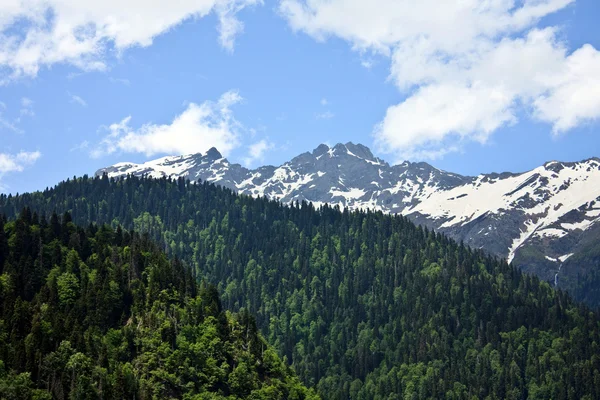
(551,232)
(583,225)
(593,213)
(565,257)
(352,193)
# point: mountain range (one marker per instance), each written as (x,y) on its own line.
(357,305)
(543,220)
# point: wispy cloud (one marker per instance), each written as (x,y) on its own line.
(5,123)
(122,81)
(78,100)
(26,102)
(257,151)
(12,123)
(9,125)
(324,101)
(229,25)
(368,64)
(325,115)
(26,109)
(81,146)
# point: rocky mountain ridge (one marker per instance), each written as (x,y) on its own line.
(539,219)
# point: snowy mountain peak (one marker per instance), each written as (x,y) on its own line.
(213,154)
(358,151)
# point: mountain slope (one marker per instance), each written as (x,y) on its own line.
(102,314)
(363,305)
(537,219)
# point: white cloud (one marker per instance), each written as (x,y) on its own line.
(450,26)
(434,112)
(466,67)
(324,101)
(77,99)
(37,33)
(122,81)
(256,151)
(197,129)
(17,162)
(325,115)
(575,92)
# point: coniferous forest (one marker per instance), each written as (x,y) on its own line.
(360,305)
(98,313)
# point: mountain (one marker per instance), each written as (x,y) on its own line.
(544,220)
(362,305)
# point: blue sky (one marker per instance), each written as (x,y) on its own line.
(471,90)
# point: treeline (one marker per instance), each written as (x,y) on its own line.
(98,313)
(363,305)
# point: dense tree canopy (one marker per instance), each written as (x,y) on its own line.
(362,305)
(102,314)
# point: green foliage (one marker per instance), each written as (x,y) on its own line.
(432,271)
(362,305)
(103,314)
(68,288)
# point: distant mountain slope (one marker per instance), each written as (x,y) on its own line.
(546,211)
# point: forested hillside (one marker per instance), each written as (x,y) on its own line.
(363,305)
(99,313)
(543,220)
